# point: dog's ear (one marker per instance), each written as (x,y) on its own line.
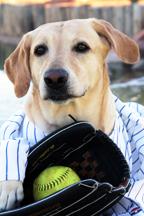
(17,66)
(126,48)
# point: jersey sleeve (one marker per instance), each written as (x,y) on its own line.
(14,149)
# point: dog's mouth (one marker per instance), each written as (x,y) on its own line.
(62,97)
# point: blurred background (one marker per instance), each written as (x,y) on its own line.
(20,16)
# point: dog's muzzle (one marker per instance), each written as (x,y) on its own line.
(56,83)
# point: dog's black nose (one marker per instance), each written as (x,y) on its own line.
(56,78)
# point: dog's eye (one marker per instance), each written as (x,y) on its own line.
(40,50)
(81,47)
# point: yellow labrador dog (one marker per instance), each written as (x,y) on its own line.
(62,66)
(66,63)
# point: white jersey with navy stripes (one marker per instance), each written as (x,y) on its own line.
(18,135)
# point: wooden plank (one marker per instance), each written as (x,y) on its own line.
(17,20)
(118,19)
(53,14)
(95,12)
(66,13)
(142,17)
(84,12)
(80,12)
(128,20)
(107,14)
(1,19)
(111,16)
(38,15)
(136,18)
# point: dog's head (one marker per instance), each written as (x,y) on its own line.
(66,59)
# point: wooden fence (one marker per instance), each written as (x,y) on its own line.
(16,20)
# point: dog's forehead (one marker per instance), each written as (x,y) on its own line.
(75,23)
(71,28)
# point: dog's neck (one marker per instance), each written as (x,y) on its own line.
(93,107)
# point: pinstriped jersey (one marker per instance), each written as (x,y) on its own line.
(19,134)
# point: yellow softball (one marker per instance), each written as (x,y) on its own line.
(53,179)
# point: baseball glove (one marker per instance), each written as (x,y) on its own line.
(102,168)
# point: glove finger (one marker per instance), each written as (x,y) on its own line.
(20,194)
(105,187)
(3,200)
(11,200)
(100,192)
